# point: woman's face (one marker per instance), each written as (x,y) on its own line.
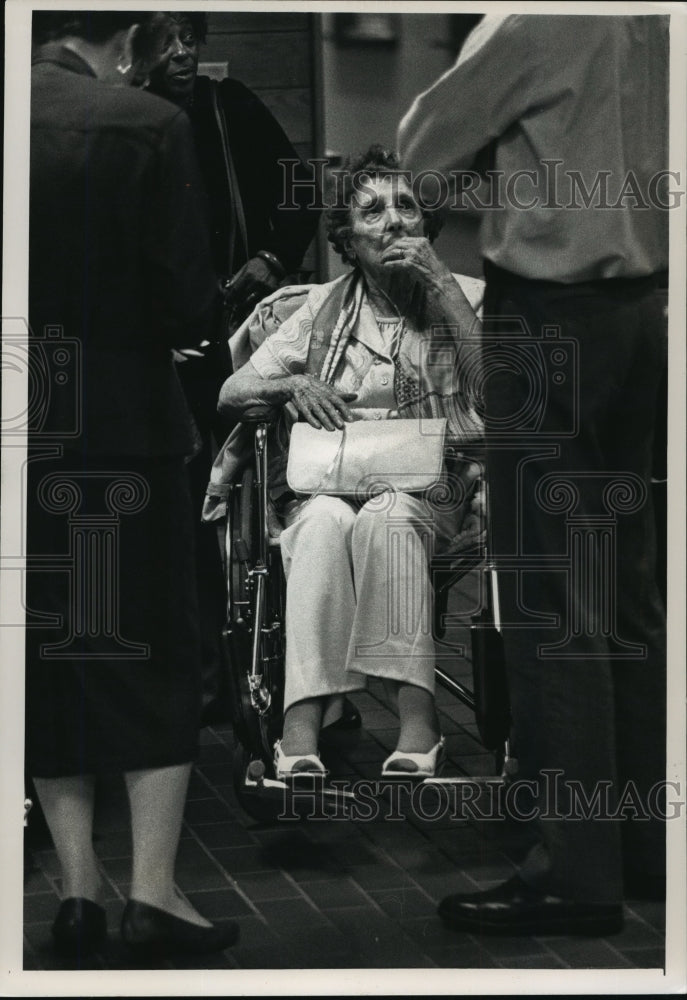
(175,73)
(383,210)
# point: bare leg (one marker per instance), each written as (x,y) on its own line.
(68,807)
(157,799)
(302,722)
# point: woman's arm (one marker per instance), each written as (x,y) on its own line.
(320,404)
(445,302)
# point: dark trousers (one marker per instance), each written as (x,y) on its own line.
(571,376)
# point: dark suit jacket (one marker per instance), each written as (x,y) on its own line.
(257,143)
(119,259)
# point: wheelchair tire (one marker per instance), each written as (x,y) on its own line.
(252,732)
(237,640)
(263,810)
(243,529)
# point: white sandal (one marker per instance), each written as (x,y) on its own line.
(425,765)
(285,766)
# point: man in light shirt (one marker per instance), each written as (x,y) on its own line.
(572,111)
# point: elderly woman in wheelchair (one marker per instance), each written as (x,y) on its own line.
(388,340)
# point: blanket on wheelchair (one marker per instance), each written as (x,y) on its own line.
(331,313)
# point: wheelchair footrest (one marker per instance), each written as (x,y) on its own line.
(464,780)
(256,783)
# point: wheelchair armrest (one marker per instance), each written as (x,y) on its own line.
(261,414)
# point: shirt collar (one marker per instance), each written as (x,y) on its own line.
(368,333)
(55,52)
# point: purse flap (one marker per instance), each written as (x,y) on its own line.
(367,457)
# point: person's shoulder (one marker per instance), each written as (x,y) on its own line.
(65,100)
(134,107)
(289,298)
(568,30)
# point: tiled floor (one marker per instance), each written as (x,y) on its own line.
(357,892)
(332,893)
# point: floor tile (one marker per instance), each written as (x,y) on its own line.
(355,892)
(219,904)
(336,893)
(267,885)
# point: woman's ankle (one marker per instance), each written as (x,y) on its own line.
(419,723)
(298,745)
(302,722)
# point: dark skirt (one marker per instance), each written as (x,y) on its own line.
(113,678)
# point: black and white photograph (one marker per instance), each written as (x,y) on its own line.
(342,535)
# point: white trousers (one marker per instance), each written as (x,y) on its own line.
(359,593)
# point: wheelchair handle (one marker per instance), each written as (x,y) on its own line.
(261,414)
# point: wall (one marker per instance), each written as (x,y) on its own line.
(367,88)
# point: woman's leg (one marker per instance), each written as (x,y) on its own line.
(320,606)
(157,799)
(67,804)
(392,544)
(302,723)
(419,723)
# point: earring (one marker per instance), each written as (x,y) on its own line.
(124,69)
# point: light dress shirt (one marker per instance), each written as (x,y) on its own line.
(573,111)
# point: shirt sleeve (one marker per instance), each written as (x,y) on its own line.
(285,352)
(496,78)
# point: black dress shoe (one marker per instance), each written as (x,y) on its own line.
(150,931)
(80,927)
(516,908)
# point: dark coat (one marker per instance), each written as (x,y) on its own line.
(119,259)
(257,143)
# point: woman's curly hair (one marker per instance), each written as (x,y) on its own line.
(376,162)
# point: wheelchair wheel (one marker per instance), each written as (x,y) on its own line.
(254,731)
(243,532)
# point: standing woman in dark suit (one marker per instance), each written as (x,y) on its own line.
(256,243)
(120,263)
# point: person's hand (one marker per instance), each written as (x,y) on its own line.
(415,256)
(182,354)
(322,405)
(250,284)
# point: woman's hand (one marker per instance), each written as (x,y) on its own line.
(321,404)
(445,303)
(415,256)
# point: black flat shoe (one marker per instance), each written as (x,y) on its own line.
(80,927)
(516,908)
(150,931)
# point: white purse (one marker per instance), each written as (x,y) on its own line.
(367,457)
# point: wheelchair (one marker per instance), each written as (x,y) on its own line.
(253,637)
